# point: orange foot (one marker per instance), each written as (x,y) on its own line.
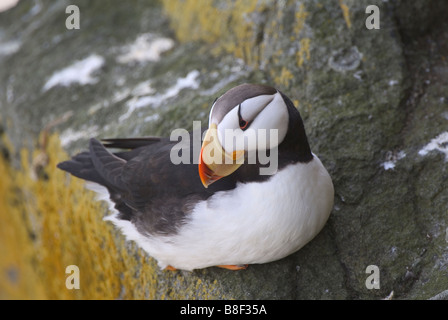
(233,267)
(170,268)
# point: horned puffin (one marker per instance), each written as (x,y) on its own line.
(210,213)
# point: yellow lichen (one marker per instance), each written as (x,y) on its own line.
(228,27)
(53,221)
(300,16)
(284,78)
(304,52)
(345,13)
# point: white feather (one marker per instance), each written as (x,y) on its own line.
(257,222)
(265,113)
(102,194)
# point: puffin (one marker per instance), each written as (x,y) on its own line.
(252,192)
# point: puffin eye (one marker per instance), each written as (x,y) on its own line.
(242,123)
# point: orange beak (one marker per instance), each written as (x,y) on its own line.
(214,162)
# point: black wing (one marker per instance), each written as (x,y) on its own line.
(146,186)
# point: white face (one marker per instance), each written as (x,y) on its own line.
(258,123)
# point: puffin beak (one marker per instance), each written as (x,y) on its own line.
(214,162)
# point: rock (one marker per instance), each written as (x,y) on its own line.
(373,101)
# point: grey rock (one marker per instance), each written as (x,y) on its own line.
(371,101)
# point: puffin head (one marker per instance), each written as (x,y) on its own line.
(236,120)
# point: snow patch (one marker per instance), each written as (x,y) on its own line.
(392,159)
(393,83)
(189,81)
(439,143)
(9,47)
(79,72)
(145,48)
(70,135)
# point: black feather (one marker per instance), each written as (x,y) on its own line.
(130,143)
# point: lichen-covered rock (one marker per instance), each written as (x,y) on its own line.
(373,101)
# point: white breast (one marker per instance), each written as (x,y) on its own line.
(254,223)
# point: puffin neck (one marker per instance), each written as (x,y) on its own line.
(295,143)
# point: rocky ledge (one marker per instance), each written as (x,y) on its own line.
(374,102)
